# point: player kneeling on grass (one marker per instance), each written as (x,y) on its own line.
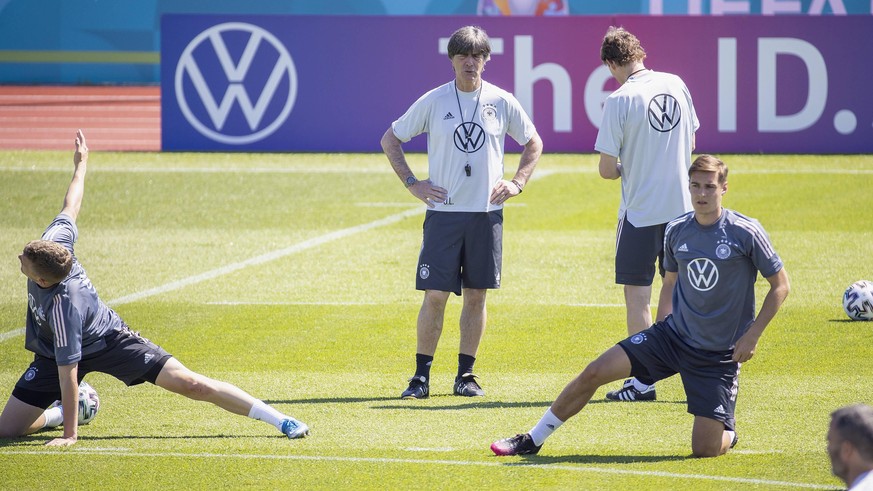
(712,256)
(73,333)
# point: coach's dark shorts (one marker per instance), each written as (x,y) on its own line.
(460,250)
(636,250)
(128,357)
(709,377)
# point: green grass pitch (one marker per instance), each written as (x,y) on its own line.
(292,276)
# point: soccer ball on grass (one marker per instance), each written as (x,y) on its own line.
(858,301)
(89,403)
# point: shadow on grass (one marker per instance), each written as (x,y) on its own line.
(595,459)
(484,404)
(475,403)
(330,400)
(39,440)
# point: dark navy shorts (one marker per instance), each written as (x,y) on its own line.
(636,250)
(460,250)
(709,377)
(128,357)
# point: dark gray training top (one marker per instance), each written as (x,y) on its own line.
(68,320)
(717,265)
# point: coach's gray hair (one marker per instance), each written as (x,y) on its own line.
(470,40)
(855,424)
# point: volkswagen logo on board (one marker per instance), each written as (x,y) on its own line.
(235,68)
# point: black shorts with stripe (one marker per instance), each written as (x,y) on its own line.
(460,250)
(636,250)
(128,357)
(709,377)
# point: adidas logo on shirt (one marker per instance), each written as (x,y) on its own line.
(683,248)
(448,116)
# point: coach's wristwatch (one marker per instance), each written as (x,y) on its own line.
(410,181)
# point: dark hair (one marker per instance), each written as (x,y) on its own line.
(470,40)
(855,424)
(709,163)
(621,47)
(51,260)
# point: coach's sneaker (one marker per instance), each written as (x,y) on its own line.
(516,445)
(630,393)
(465,385)
(294,429)
(418,389)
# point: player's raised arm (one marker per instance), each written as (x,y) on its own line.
(76,190)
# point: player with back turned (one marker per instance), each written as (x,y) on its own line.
(645,140)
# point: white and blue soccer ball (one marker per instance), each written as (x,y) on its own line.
(89,403)
(858,301)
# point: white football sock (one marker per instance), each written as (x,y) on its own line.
(263,412)
(54,417)
(547,425)
(641,386)
(731,435)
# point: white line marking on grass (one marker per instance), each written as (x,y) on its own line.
(212,170)
(598,305)
(369,170)
(384,205)
(255,261)
(376,460)
(340,304)
(11,334)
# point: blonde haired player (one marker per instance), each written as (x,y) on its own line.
(72,333)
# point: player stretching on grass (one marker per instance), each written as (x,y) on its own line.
(466,121)
(712,257)
(72,333)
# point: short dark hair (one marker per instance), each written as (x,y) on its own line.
(855,424)
(709,163)
(51,260)
(621,47)
(470,40)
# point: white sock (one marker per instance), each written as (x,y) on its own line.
(263,412)
(54,417)
(547,425)
(641,386)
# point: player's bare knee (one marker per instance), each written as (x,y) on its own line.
(592,376)
(197,387)
(7,433)
(706,450)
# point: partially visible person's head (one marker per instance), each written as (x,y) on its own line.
(710,163)
(45,260)
(470,40)
(621,47)
(850,441)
